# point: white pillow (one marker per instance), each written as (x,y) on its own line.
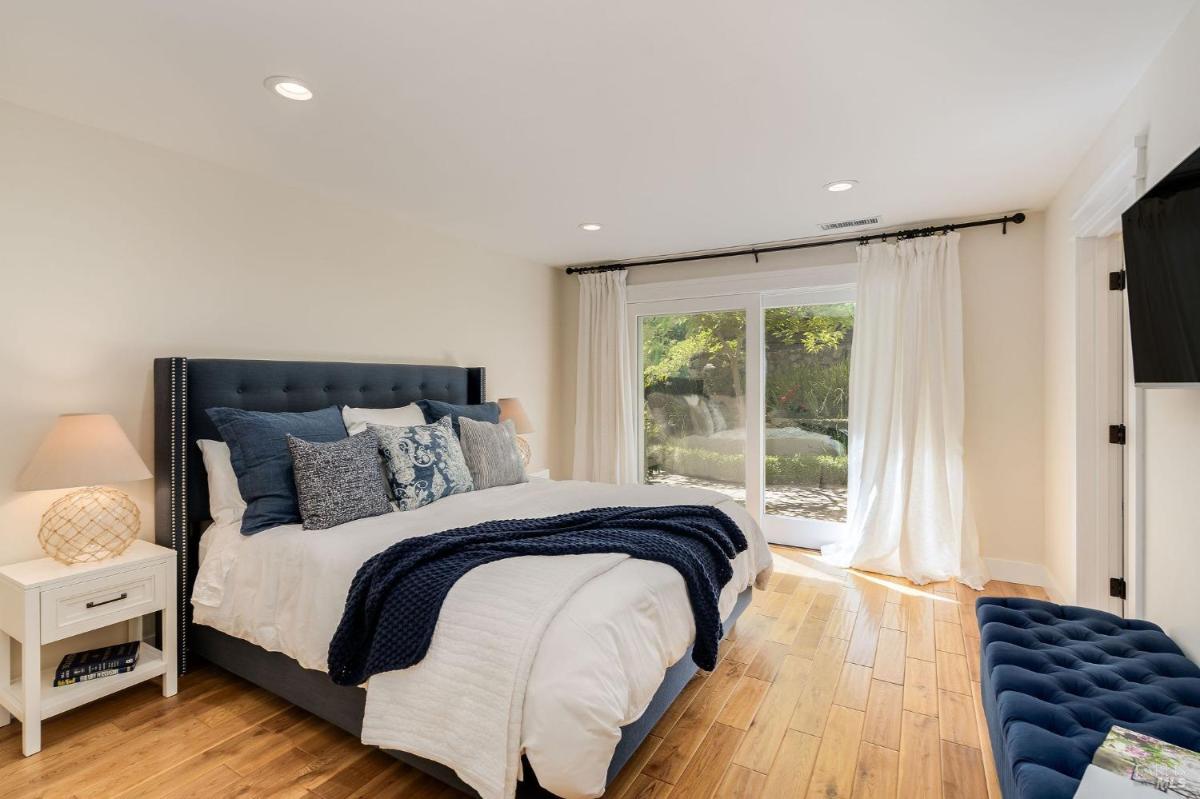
(225,503)
(357,419)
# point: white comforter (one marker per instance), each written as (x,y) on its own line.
(285,589)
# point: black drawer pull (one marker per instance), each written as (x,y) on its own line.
(108,601)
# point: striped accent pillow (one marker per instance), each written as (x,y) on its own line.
(491,453)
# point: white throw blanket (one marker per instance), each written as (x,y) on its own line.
(594,670)
(462,704)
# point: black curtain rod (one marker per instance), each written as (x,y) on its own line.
(909,233)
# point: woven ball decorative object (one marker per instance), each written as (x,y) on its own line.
(525,450)
(89,524)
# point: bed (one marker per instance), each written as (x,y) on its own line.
(266,605)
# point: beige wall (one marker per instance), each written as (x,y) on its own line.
(1002,311)
(1002,331)
(1164,106)
(113,252)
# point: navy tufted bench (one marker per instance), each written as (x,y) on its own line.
(1055,678)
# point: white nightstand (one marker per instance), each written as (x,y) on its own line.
(42,601)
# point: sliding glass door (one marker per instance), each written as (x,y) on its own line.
(694,400)
(748,395)
(806,419)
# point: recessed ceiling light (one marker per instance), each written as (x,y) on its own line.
(841,185)
(590,226)
(291,88)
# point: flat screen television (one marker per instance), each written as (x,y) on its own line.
(1162,263)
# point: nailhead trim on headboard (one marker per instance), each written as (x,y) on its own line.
(180,463)
(170,472)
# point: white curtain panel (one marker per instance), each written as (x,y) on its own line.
(909,513)
(603,417)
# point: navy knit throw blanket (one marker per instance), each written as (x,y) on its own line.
(395,599)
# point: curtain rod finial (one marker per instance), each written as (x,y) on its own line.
(1016,219)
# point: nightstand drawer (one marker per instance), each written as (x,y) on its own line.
(91,604)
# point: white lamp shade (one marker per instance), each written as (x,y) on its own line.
(83,449)
(511,408)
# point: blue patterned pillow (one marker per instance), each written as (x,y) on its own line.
(424,462)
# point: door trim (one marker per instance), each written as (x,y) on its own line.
(1107,528)
(781,280)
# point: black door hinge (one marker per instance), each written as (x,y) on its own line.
(1116,281)
(1116,434)
(1116,587)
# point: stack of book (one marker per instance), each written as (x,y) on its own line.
(95,663)
(1133,765)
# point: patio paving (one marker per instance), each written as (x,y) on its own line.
(810,502)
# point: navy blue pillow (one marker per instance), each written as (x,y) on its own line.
(436,409)
(259,453)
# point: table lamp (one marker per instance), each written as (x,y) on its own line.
(511,408)
(94,522)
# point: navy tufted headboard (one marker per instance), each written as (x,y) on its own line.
(185,388)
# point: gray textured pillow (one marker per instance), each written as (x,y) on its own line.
(491,453)
(339,481)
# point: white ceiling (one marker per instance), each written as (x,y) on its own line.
(679,124)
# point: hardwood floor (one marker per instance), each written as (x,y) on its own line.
(832,684)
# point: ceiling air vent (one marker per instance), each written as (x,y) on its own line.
(845,224)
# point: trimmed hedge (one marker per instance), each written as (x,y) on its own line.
(819,470)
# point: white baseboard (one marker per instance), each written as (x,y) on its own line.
(1056,593)
(1017,571)
(1020,571)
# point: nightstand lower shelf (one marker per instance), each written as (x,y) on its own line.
(150,664)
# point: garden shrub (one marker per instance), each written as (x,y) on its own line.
(824,471)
